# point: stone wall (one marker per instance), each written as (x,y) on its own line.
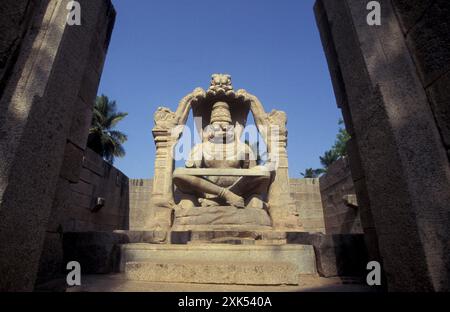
(340,207)
(306,195)
(99,182)
(140,195)
(49,75)
(97,202)
(305,192)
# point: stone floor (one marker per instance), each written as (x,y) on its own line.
(117,283)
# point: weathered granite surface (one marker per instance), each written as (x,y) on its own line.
(340,206)
(383,79)
(300,258)
(223,215)
(49,74)
(97,252)
(336,254)
(214,272)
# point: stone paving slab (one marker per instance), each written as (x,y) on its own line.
(118,283)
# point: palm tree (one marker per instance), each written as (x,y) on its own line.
(102,138)
(312,173)
(329,157)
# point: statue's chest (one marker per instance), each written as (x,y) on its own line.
(218,163)
(221,156)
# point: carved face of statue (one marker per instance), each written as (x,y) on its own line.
(220,132)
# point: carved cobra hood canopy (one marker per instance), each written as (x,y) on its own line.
(201,102)
(220,90)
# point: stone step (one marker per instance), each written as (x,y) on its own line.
(214,272)
(301,256)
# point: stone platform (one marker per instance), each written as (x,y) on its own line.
(218,263)
(118,283)
(330,255)
(213,272)
(220,218)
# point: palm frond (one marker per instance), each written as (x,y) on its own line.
(103,140)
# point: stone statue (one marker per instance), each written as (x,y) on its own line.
(221,186)
(222,150)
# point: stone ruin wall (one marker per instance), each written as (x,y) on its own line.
(77,206)
(98,179)
(340,209)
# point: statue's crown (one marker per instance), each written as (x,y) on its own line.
(220,82)
(220,112)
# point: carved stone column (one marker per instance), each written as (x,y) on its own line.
(162,193)
(282,207)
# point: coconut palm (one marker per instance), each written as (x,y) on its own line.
(329,157)
(312,173)
(102,138)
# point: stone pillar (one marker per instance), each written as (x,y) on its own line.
(162,201)
(281,206)
(405,174)
(52,73)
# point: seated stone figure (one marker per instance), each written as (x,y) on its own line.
(221,149)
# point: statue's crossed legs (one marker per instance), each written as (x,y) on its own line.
(251,188)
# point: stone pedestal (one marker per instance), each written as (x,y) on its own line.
(218,263)
(220,217)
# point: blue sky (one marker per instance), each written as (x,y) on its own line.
(162,49)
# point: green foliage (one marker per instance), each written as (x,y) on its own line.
(328,158)
(337,151)
(312,173)
(341,140)
(102,138)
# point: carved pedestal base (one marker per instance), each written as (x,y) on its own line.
(220,217)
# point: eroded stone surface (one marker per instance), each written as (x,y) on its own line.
(214,272)
(221,215)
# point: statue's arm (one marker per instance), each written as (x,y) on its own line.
(195,157)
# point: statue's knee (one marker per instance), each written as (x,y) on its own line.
(263,179)
(179,179)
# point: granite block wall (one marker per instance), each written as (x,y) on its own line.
(340,207)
